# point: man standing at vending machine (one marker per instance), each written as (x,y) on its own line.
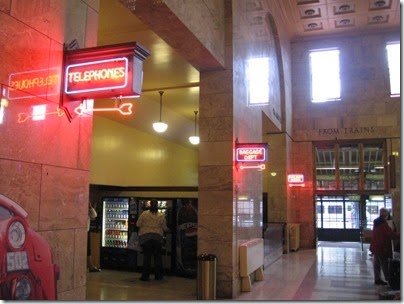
(152,226)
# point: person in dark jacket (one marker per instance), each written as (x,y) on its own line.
(381,247)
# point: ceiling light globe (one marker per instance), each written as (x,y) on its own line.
(194,140)
(160,127)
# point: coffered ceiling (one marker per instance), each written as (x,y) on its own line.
(166,70)
(307,18)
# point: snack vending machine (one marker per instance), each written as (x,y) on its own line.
(120,249)
(114,233)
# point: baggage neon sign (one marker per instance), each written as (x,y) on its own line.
(95,76)
(251,155)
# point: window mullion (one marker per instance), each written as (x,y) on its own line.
(361,166)
(337,173)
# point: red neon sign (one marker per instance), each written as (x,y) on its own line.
(296,180)
(260,167)
(35,83)
(103,72)
(251,153)
(100,75)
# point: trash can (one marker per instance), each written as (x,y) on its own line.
(206,281)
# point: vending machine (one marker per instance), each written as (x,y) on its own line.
(186,237)
(114,233)
(119,234)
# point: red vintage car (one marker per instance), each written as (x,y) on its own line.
(27,271)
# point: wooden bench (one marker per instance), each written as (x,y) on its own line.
(251,262)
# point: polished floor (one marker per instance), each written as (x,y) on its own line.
(333,272)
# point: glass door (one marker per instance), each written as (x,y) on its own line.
(338,218)
(373,205)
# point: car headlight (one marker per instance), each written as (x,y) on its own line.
(16,234)
(22,289)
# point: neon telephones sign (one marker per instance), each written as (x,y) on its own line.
(112,71)
(104,72)
(252,156)
(99,75)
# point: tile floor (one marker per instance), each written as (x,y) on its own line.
(333,272)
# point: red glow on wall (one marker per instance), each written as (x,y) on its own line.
(99,75)
(23,117)
(38,83)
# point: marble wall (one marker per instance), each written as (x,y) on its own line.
(227,118)
(365,111)
(45,159)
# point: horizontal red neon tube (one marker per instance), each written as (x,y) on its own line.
(124,109)
(261,167)
(23,117)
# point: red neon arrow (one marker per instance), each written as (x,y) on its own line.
(23,117)
(262,167)
(124,109)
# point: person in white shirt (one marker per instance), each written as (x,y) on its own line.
(152,226)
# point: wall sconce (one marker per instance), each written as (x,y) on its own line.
(194,139)
(160,126)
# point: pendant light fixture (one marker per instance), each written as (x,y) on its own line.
(194,139)
(160,126)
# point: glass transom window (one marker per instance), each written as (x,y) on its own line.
(393,58)
(325,75)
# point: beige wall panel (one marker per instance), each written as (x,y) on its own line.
(21,182)
(124,156)
(62,243)
(215,202)
(210,13)
(64,195)
(212,153)
(92,24)
(80,257)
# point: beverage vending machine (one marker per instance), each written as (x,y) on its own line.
(118,230)
(186,237)
(114,233)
